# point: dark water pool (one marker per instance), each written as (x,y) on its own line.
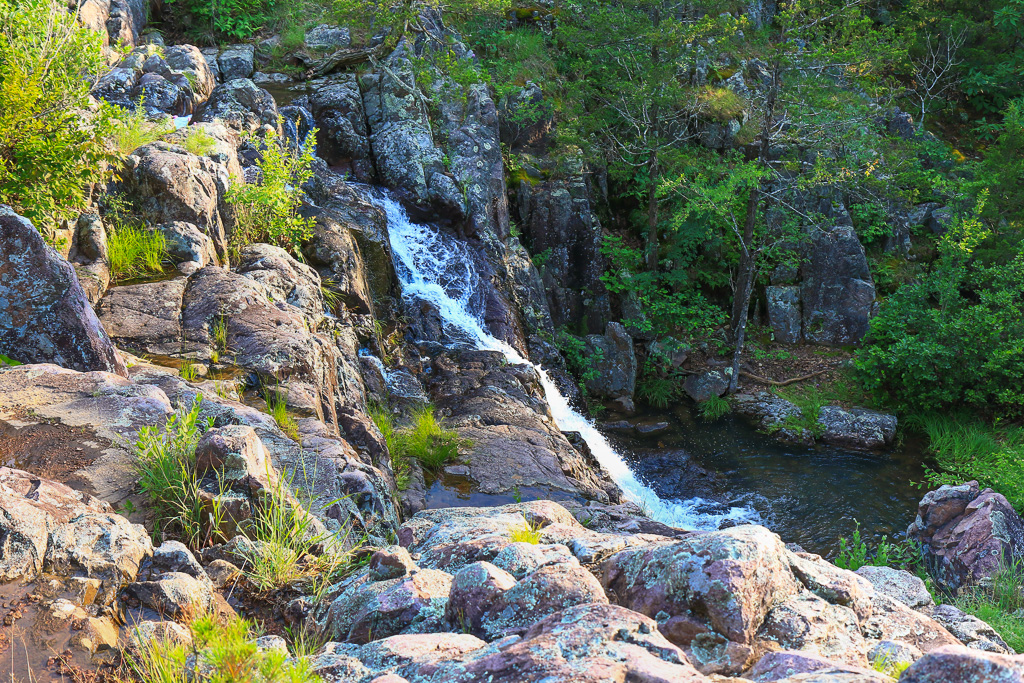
(808,495)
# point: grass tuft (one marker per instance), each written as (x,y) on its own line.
(528,533)
(134,129)
(277,408)
(425,439)
(136,252)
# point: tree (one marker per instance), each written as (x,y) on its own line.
(818,59)
(628,58)
(51,148)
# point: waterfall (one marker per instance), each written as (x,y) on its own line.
(437,268)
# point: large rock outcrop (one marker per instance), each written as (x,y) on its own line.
(966,534)
(45,316)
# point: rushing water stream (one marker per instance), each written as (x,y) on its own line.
(808,495)
(436,268)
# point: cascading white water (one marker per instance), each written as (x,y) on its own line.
(436,268)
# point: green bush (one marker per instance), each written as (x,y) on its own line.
(950,341)
(135,252)
(267,211)
(965,448)
(714,408)
(210,21)
(197,141)
(51,148)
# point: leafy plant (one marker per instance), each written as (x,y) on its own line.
(49,151)
(714,408)
(135,252)
(528,533)
(658,392)
(268,210)
(197,141)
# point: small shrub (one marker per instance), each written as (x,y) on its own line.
(135,252)
(528,533)
(197,141)
(714,408)
(267,211)
(658,392)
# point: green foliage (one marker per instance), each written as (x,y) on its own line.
(50,149)
(135,252)
(967,449)
(277,408)
(424,439)
(287,547)
(714,408)
(656,391)
(210,20)
(528,533)
(810,400)
(228,654)
(188,371)
(8,361)
(953,339)
(669,303)
(268,210)
(574,350)
(164,460)
(998,603)
(854,553)
(133,129)
(197,141)
(890,667)
(385,421)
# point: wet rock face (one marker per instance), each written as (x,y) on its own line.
(45,316)
(707,385)
(501,408)
(784,312)
(965,532)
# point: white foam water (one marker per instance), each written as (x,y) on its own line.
(438,269)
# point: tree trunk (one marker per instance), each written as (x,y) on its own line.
(744,287)
(652,213)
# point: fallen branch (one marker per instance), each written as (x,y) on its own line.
(775,383)
(342,58)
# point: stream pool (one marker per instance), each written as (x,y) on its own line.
(808,495)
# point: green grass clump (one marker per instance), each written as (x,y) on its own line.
(165,462)
(528,533)
(424,439)
(810,400)
(135,252)
(998,602)
(966,448)
(134,129)
(658,392)
(714,408)
(226,647)
(277,408)
(721,104)
(890,667)
(197,141)
(188,371)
